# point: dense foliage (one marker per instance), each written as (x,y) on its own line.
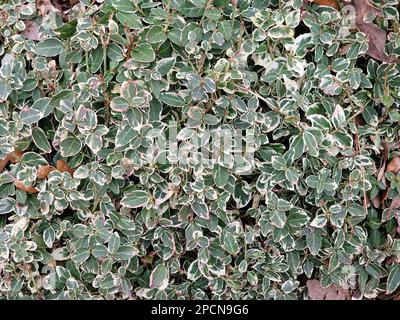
(93,203)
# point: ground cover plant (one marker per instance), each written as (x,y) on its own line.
(199,149)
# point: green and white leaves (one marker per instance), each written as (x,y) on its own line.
(314,242)
(81,255)
(230,243)
(172,99)
(156,34)
(311,143)
(124,135)
(135,199)
(5,89)
(70,146)
(200,209)
(165,65)
(6,205)
(40,140)
(159,277)
(30,115)
(49,48)
(221,175)
(131,20)
(49,235)
(123,6)
(144,53)
(196,149)
(393,281)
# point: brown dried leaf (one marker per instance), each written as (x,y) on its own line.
(32,31)
(44,171)
(385,154)
(377,36)
(316,292)
(394,165)
(72,2)
(328,3)
(377,201)
(14,157)
(395,203)
(62,166)
(3,163)
(19,185)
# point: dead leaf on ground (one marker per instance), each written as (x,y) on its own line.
(395,204)
(316,292)
(377,201)
(46,6)
(385,154)
(12,157)
(328,3)
(3,163)
(376,36)
(44,171)
(31,31)
(394,165)
(62,166)
(28,189)
(15,156)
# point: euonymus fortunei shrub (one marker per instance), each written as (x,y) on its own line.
(199,149)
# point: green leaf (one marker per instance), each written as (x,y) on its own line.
(200,209)
(357,210)
(115,52)
(43,106)
(297,219)
(123,5)
(311,143)
(338,117)
(114,243)
(393,281)
(67,30)
(30,116)
(6,205)
(5,89)
(314,242)
(40,140)
(81,255)
(278,218)
(159,277)
(124,253)
(70,146)
(221,175)
(130,20)
(32,159)
(230,243)
(172,99)
(94,142)
(49,235)
(99,251)
(165,65)
(119,104)
(124,135)
(226,28)
(156,35)
(143,53)
(49,48)
(296,148)
(135,199)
